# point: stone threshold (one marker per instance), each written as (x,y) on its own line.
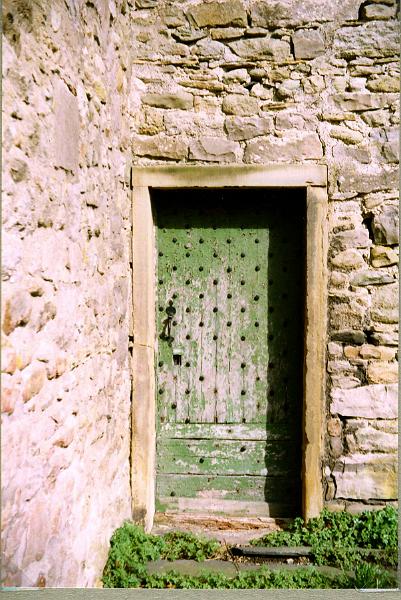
(231,569)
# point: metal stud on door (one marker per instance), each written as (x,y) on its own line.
(230,335)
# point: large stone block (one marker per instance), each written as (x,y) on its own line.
(353,179)
(371,278)
(385,304)
(293,12)
(178,100)
(245,128)
(351,238)
(308,43)
(213,149)
(160,146)
(348,259)
(382,372)
(66,128)
(302,146)
(360,101)
(240,104)
(214,14)
(370,439)
(366,477)
(350,315)
(381,256)
(385,226)
(375,40)
(257,48)
(376,401)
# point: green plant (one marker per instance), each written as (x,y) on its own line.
(336,538)
(179,545)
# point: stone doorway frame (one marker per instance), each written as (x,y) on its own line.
(313,178)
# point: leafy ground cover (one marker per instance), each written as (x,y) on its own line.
(361,545)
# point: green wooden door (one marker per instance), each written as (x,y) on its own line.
(230,280)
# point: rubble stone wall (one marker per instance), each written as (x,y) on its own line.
(66,288)
(89,85)
(259,82)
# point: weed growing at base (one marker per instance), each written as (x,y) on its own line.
(334,538)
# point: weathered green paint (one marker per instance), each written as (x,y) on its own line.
(230,282)
(235,487)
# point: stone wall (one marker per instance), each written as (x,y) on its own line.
(66,288)
(88,85)
(298,82)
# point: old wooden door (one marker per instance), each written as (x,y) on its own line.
(230,281)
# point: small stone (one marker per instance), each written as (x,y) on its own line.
(213,149)
(384,338)
(177,100)
(308,43)
(17,311)
(336,447)
(33,379)
(391,148)
(345,382)
(352,238)
(214,14)
(146,3)
(10,393)
(348,316)
(240,104)
(160,146)
(207,48)
(258,48)
(349,336)
(348,259)
(151,121)
(384,83)
(348,136)
(188,34)
(385,226)
(291,120)
(371,278)
(67,129)
(338,279)
(18,170)
(334,426)
(382,372)
(351,352)
(376,401)
(245,128)
(173,16)
(380,352)
(378,12)
(335,350)
(376,118)
(381,256)
(262,92)
(226,33)
(237,76)
(385,304)
(295,147)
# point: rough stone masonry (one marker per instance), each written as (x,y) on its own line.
(90,86)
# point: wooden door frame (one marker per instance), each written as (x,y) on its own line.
(313,178)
